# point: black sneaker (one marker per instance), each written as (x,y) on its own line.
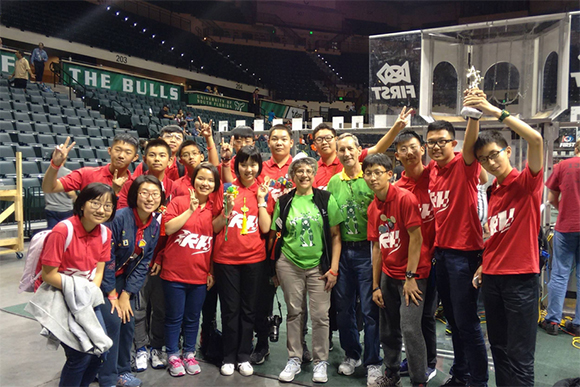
(453,381)
(259,355)
(306,354)
(385,381)
(550,327)
(572,328)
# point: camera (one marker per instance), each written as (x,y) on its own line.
(274,322)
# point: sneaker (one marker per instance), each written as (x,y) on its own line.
(176,366)
(319,375)
(385,381)
(246,369)
(128,380)
(227,369)
(292,368)
(572,328)
(550,327)
(373,373)
(259,355)
(306,354)
(191,365)
(404,371)
(453,381)
(348,365)
(158,359)
(431,373)
(141,359)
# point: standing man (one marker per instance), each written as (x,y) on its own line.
(458,244)
(564,195)
(21,71)
(38,58)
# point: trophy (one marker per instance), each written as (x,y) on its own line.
(474,80)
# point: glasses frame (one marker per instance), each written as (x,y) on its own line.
(491,156)
(438,143)
(95,205)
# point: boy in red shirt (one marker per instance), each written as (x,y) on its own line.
(399,271)
(458,244)
(508,275)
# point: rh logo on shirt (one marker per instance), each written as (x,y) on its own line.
(390,240)
(426,211)
(237,218)
(440,200)
(198,243)
(502,221)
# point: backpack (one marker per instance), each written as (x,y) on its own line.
(32,270)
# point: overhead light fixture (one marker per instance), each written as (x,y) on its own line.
(117,13)
(108,8)
(153,36)
(163,42)
(126,18)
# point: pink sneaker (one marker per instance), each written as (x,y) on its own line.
(176,366)
(191,365)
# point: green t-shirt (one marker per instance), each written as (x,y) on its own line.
(304,240)
(353,198)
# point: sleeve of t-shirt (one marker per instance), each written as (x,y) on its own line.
(73,181)
(27,65)
(334,215)
(122,198)
(138,171)
(410,210)
(472,170)
(332,184)
(372,228)
(271,205)
(177,207)
(106,251)
(53,249)
(275,216)
(363,155)
(529,181)
(553,182)
(218,202)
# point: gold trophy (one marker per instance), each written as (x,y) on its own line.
(474,80)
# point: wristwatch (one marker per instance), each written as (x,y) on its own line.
(263,205)
(410,275)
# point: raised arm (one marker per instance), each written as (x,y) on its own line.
(385,142)
(205,132)
(50,183)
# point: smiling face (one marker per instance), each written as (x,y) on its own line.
(204,183)
(495,159)
(325,142)
(348,153)
(98,210)
(157,159)
(436,150)
(122,155)
(248,170)
(410,152)
(280,143)
(148,197)
(303,177)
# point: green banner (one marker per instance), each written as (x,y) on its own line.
(103,79)
(7,60)
(280,110)
(217,101)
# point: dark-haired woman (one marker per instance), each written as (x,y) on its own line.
(186,268)
(135,233)
(238,256)
(86,254)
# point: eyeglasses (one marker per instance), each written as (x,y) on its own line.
(169,136)
(320,140)
(404,150)
(96,205)
(491,156)
(440,143)
(302,172)
(147,194)
(377,174)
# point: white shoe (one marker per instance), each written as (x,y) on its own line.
(320,375)
(348,365)
(431,373)
(292,368)
(227,369)
(141,358)
(373,373)
(158,359)
(246,369)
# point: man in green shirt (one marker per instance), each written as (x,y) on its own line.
(355,267)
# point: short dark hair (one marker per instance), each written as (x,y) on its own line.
(405,136)
(378,159)
(242,132)
(248,152)
(171,129)
(157,142)
(134,189)
(126,138)
(280,127)
(94,191)
(442,125)
(323,126)
(20,52)
(210,167)
(488,137)
(188,143)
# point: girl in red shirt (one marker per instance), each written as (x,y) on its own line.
(85,256)
(186,268)
(238,259)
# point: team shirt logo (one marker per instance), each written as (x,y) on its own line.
(390,240)
(440,200)
(303,225)
(237,218)
(501,222)
(426,211)
(350,209)
(200,244)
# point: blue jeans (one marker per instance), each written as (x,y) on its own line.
(566,257)
(118,360)
(80,368)
(455,270)
(356,278)
(53,217)
(183,303)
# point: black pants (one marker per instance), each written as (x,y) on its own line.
(20,83)
(511,309)
(238,287)
(38,70)
(208,311)
(265,305)
(428,322)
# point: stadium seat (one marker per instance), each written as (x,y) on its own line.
(87,121)
(59,129)
(101,123)
(51,101)
(93,164)
(55,110)
(37,108)
(6,115)
(20,107)
(69,112)
(6,151)
(28,152)
(77,103)
(26,138)
(76,121)
(76,131)
(73,165)
(107,133)
(102,154)
(23,117)
(7,169)
(87,154)
(24,127)
(46,139)
(6,126)
(82,141)
(42,118)
(96,142)
(65,103)
(5,105)
(83,113)
(30,168)
(55,119)
(37,99)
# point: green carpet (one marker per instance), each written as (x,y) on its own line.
(18,310)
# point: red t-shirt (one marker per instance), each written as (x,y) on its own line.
(182,186)
(80,178)
(514,224)
(326,171)
(420,188)
(171,171)
(187,253)
(388,225)
(85,250)
(453,190)
(167,188)
(566,179)
(241,249)
(274,172)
